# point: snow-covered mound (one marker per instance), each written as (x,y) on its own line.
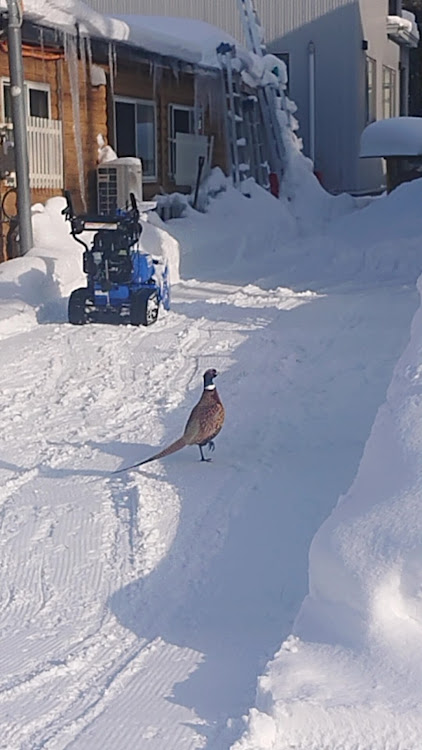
(351,676)
(312,240)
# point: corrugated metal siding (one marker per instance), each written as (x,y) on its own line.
(221,13)
(278,16)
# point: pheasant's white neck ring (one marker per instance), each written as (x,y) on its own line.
(210,387)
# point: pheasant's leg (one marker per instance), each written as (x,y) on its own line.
(211,445)
(202,455)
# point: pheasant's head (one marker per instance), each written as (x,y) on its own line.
(209,376)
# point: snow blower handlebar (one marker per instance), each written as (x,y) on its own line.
(127,221)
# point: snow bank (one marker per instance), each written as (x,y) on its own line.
(254,235)
(382,245)
(47,273)
(311,239)
(350,676)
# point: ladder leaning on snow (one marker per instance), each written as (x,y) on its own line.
(243,123)
(271,96)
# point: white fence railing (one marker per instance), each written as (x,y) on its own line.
(45,152)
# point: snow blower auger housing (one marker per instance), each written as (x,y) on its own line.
(122,280)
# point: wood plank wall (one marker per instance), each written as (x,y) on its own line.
(132,80)
(93,117)
(165,88)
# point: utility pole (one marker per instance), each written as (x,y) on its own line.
(17,91)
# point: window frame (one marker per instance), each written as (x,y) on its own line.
(371,89)
(34,85)
(389,85)
(149,103)
(197,129)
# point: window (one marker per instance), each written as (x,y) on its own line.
(181,120)
(37,100)
(136,133)
(371,90)
(388,92)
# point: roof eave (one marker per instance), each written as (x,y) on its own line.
(51,37)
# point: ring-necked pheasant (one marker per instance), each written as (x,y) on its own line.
(205,422)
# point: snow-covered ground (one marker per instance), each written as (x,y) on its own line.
(170,607)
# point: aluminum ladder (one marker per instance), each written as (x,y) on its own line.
(271,97)
(236,124)
(244,125)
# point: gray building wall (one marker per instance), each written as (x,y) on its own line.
(337,28)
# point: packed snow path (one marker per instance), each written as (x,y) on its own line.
(137,610)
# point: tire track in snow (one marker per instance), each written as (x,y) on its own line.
(91,391)
(50,392)
(65,700)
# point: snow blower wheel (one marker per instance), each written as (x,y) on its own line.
(144,307)
(77,307)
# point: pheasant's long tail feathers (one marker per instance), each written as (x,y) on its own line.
(176,446)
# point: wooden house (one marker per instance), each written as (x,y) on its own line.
(78,87)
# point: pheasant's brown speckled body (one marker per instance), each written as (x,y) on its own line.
(205,422)
(206,419)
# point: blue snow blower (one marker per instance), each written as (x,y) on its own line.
(122,283)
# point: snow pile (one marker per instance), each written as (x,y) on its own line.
(105,152)
(312,239)
(46,274)
(248,223)
(396,136)
(381,245)
(351,676)
(158,242)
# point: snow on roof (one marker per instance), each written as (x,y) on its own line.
(404,29)
(65,14)
(396,136)
(184,38)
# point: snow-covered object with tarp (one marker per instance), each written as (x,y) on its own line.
(121,278)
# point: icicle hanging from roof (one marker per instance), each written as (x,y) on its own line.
(71,55)
(209,97)
(157,75)
(112,65)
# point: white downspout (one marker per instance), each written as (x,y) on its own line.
(311,56)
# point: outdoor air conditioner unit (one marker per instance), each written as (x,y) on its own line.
(115,181)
